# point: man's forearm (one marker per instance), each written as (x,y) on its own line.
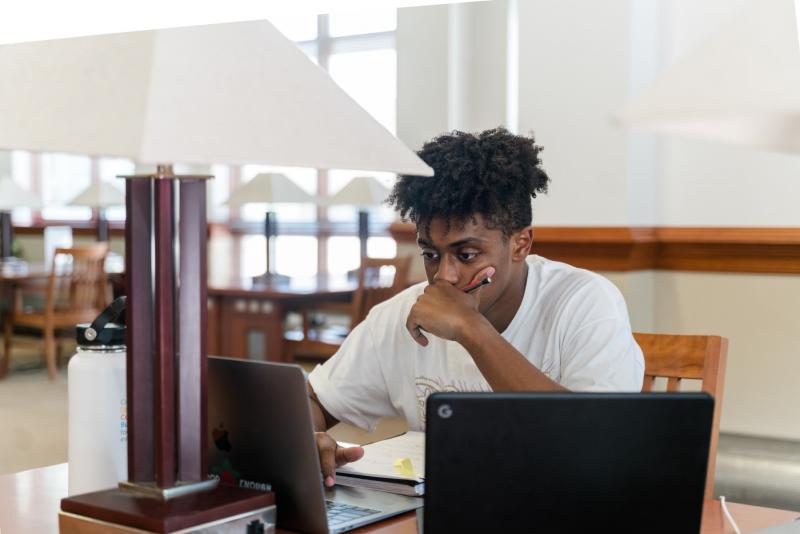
(503,366)
(321,418)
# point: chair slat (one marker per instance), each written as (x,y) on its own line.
(673,385)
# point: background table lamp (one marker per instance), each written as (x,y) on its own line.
(100,195)
(11,196)
(364,192)
(741,86)
(230,93)
(268,188)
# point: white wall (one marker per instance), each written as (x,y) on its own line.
(574,70)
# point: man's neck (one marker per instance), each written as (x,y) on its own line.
(503,311)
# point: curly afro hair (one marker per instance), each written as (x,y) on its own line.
(494,173)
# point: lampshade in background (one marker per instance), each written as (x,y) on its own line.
(229,93)
(100,195)
(362,192)
(741,86)
(12,196)
(268,188)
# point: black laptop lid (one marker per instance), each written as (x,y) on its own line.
(572,462)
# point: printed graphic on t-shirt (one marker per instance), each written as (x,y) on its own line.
(426,386)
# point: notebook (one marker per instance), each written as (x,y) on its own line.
(396,465)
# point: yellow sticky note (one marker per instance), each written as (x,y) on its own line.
(403,467)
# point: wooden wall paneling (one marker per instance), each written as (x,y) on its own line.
(709,249)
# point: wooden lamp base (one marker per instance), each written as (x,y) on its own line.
(118,510)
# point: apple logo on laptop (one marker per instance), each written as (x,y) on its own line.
(220,436)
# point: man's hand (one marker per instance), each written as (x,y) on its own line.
(332,456)
(444,310)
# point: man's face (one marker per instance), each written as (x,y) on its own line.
(457,252)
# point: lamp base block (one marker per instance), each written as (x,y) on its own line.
(224,509)
(266,279)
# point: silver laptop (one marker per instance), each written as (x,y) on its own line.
(261,437)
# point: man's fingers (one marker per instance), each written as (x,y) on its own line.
(345,455)
(327,457)
(415,330)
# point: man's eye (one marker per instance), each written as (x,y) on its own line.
(429,255)
(467,256)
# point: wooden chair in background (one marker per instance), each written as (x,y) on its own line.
(378,280)
(679,357)
(77,290)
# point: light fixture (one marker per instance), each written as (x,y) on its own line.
(100,195)
(11,196)
(364,192)
(271,189)
(230,93)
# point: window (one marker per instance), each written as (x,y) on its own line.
(63,177)
(110,169)
(358,51)
(21,174)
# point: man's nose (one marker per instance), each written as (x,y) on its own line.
(448,270)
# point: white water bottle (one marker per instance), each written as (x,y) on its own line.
(98,421)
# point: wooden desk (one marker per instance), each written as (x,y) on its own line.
(30,501)
(245,320)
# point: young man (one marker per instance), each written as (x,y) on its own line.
(538,326)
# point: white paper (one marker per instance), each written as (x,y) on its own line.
(379,457)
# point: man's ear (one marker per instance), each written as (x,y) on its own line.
(521,242)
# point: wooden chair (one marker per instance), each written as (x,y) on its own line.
(378,280)
(678,357)
(75,293)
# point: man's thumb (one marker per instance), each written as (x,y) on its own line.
(348,454)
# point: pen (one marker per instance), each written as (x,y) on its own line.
(469,288)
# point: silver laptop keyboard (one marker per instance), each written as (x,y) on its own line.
(339,513)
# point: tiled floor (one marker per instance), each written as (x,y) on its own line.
(33,415)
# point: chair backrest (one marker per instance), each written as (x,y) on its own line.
(78,280)
(378,279)
(679,357)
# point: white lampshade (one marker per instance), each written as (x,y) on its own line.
(229,93)
(269,188)
(99,195)
(13,196)
(362,191)
(22,20)
(741,86)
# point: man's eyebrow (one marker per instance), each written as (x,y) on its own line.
(466,241)
(455,244)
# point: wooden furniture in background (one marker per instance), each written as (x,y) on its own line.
(679,357)
(246,320)
(29,502)
(378,280)
(75,293)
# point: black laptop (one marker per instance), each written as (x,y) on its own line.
(572,462)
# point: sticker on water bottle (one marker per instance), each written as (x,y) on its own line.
(123,420)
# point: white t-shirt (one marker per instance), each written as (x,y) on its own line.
(572,325)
